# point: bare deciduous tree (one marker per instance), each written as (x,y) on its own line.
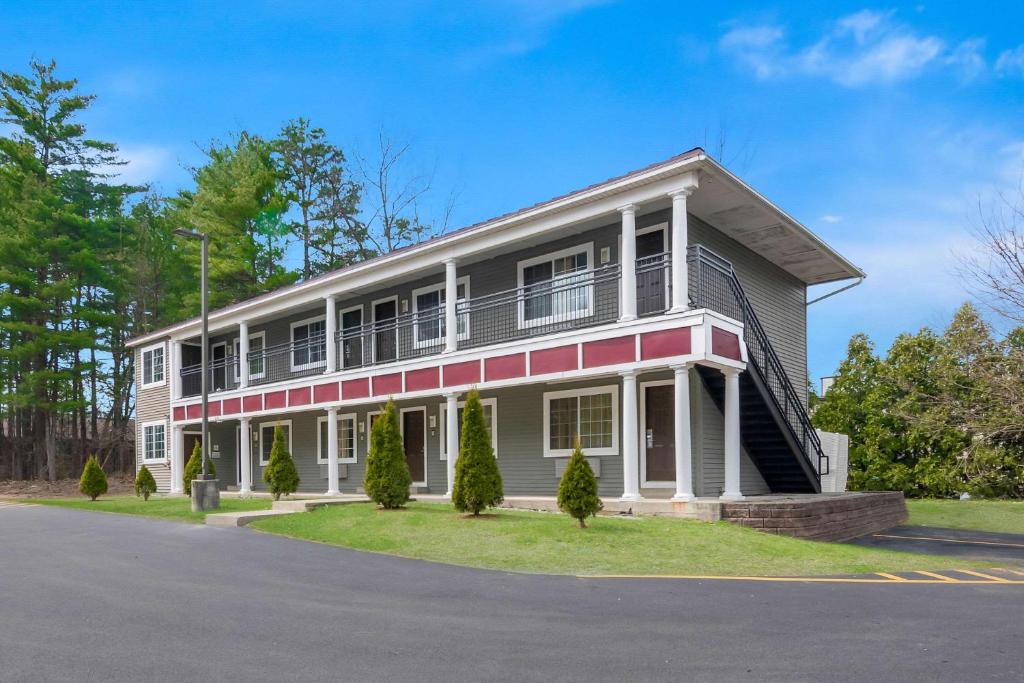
(994,271)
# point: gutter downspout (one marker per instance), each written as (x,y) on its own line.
(833,293)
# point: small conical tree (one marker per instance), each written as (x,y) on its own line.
(145,484)
(577,491)
(477,477)
(194,467)
(280,474)
(93,482)
(387,479)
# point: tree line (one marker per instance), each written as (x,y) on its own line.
(88,262)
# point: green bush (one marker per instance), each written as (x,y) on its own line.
(194,467)
(387,479)
(280,473)
(477,478)
(577,491)
(145,484)
(93,482)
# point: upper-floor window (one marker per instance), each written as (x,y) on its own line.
(257,360)
(428,305)
(309,345)
(154,441)
(153,365)
(557,286)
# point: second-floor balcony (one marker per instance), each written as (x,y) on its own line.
(568,301)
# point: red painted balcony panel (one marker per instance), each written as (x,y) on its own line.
(665,343)
(301,396)
(422,379)
(505,367)
(194,411)
(609,351)
(213,409)
(253,403)
(179,413)
(462,373)
(326,392)
(275,399)
(232,406)
(355,388)
(558,359)
(725,344)
(387,384)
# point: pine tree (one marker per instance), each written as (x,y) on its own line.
(93,482)
(577,491)
(387,479)
(194,468)
(280,474)
(145,484)
(477,478)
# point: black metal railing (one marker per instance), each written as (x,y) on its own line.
(713,284)
(411,335)
(653,283)
(222,376)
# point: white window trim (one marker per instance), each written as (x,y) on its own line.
(166,455)
(440,287)
(291,341)
(274,423)
(588,248)
(321,452)
(369,426)
(361,337)
(262,334)
(443,413)
(163,365)
(373,324)
(612,389)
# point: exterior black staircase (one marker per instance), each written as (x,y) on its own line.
(775,428)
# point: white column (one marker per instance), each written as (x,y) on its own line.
(452,438)
(175,369)
(330,330)
(732,435)
(628,265)
(177,464)
(680,239)
(451,294)
(630,439)
(332,452)
(245,457)
(684,457)
(243,355)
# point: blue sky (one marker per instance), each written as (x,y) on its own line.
(880,126)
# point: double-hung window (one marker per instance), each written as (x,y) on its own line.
(557,287)
(154,441)
(309,344)
(257,356)
(429,313)
(153,366)
(490,406)
(267,438)
(590,414)
(346,439)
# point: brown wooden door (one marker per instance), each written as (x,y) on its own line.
(412,436)
(659,436)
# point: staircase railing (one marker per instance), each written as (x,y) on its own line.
(713,284)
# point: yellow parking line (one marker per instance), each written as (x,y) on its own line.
(937,576)
(997,579)
(891,577)
(950,540)
(1013,571)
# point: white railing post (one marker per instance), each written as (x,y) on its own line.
(732,435)
(680,240)
(332,451)
(628,265)
(243,355)
(683,453)
(451,293)
(330,332)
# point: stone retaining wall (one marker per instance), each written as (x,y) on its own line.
(822,517)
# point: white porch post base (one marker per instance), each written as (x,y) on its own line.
(683,453)
(732,436)
(332,452)
(630,439)
(245,456)
(451,439)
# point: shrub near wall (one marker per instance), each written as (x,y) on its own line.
(387,479)
(577,491)
(194,467)
(280,474)
(93,482)
(145,484)
(477,478)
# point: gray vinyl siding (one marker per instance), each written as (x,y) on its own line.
(709,424)
(153,404)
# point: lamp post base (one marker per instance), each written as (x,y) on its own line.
(205,495)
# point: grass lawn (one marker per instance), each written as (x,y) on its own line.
(178,509)
(1006,516)
(551,543)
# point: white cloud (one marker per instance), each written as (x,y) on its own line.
(831,218)
(1011,62)
(859,49)
(146,164)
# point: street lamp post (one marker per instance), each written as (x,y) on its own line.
(208,497)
